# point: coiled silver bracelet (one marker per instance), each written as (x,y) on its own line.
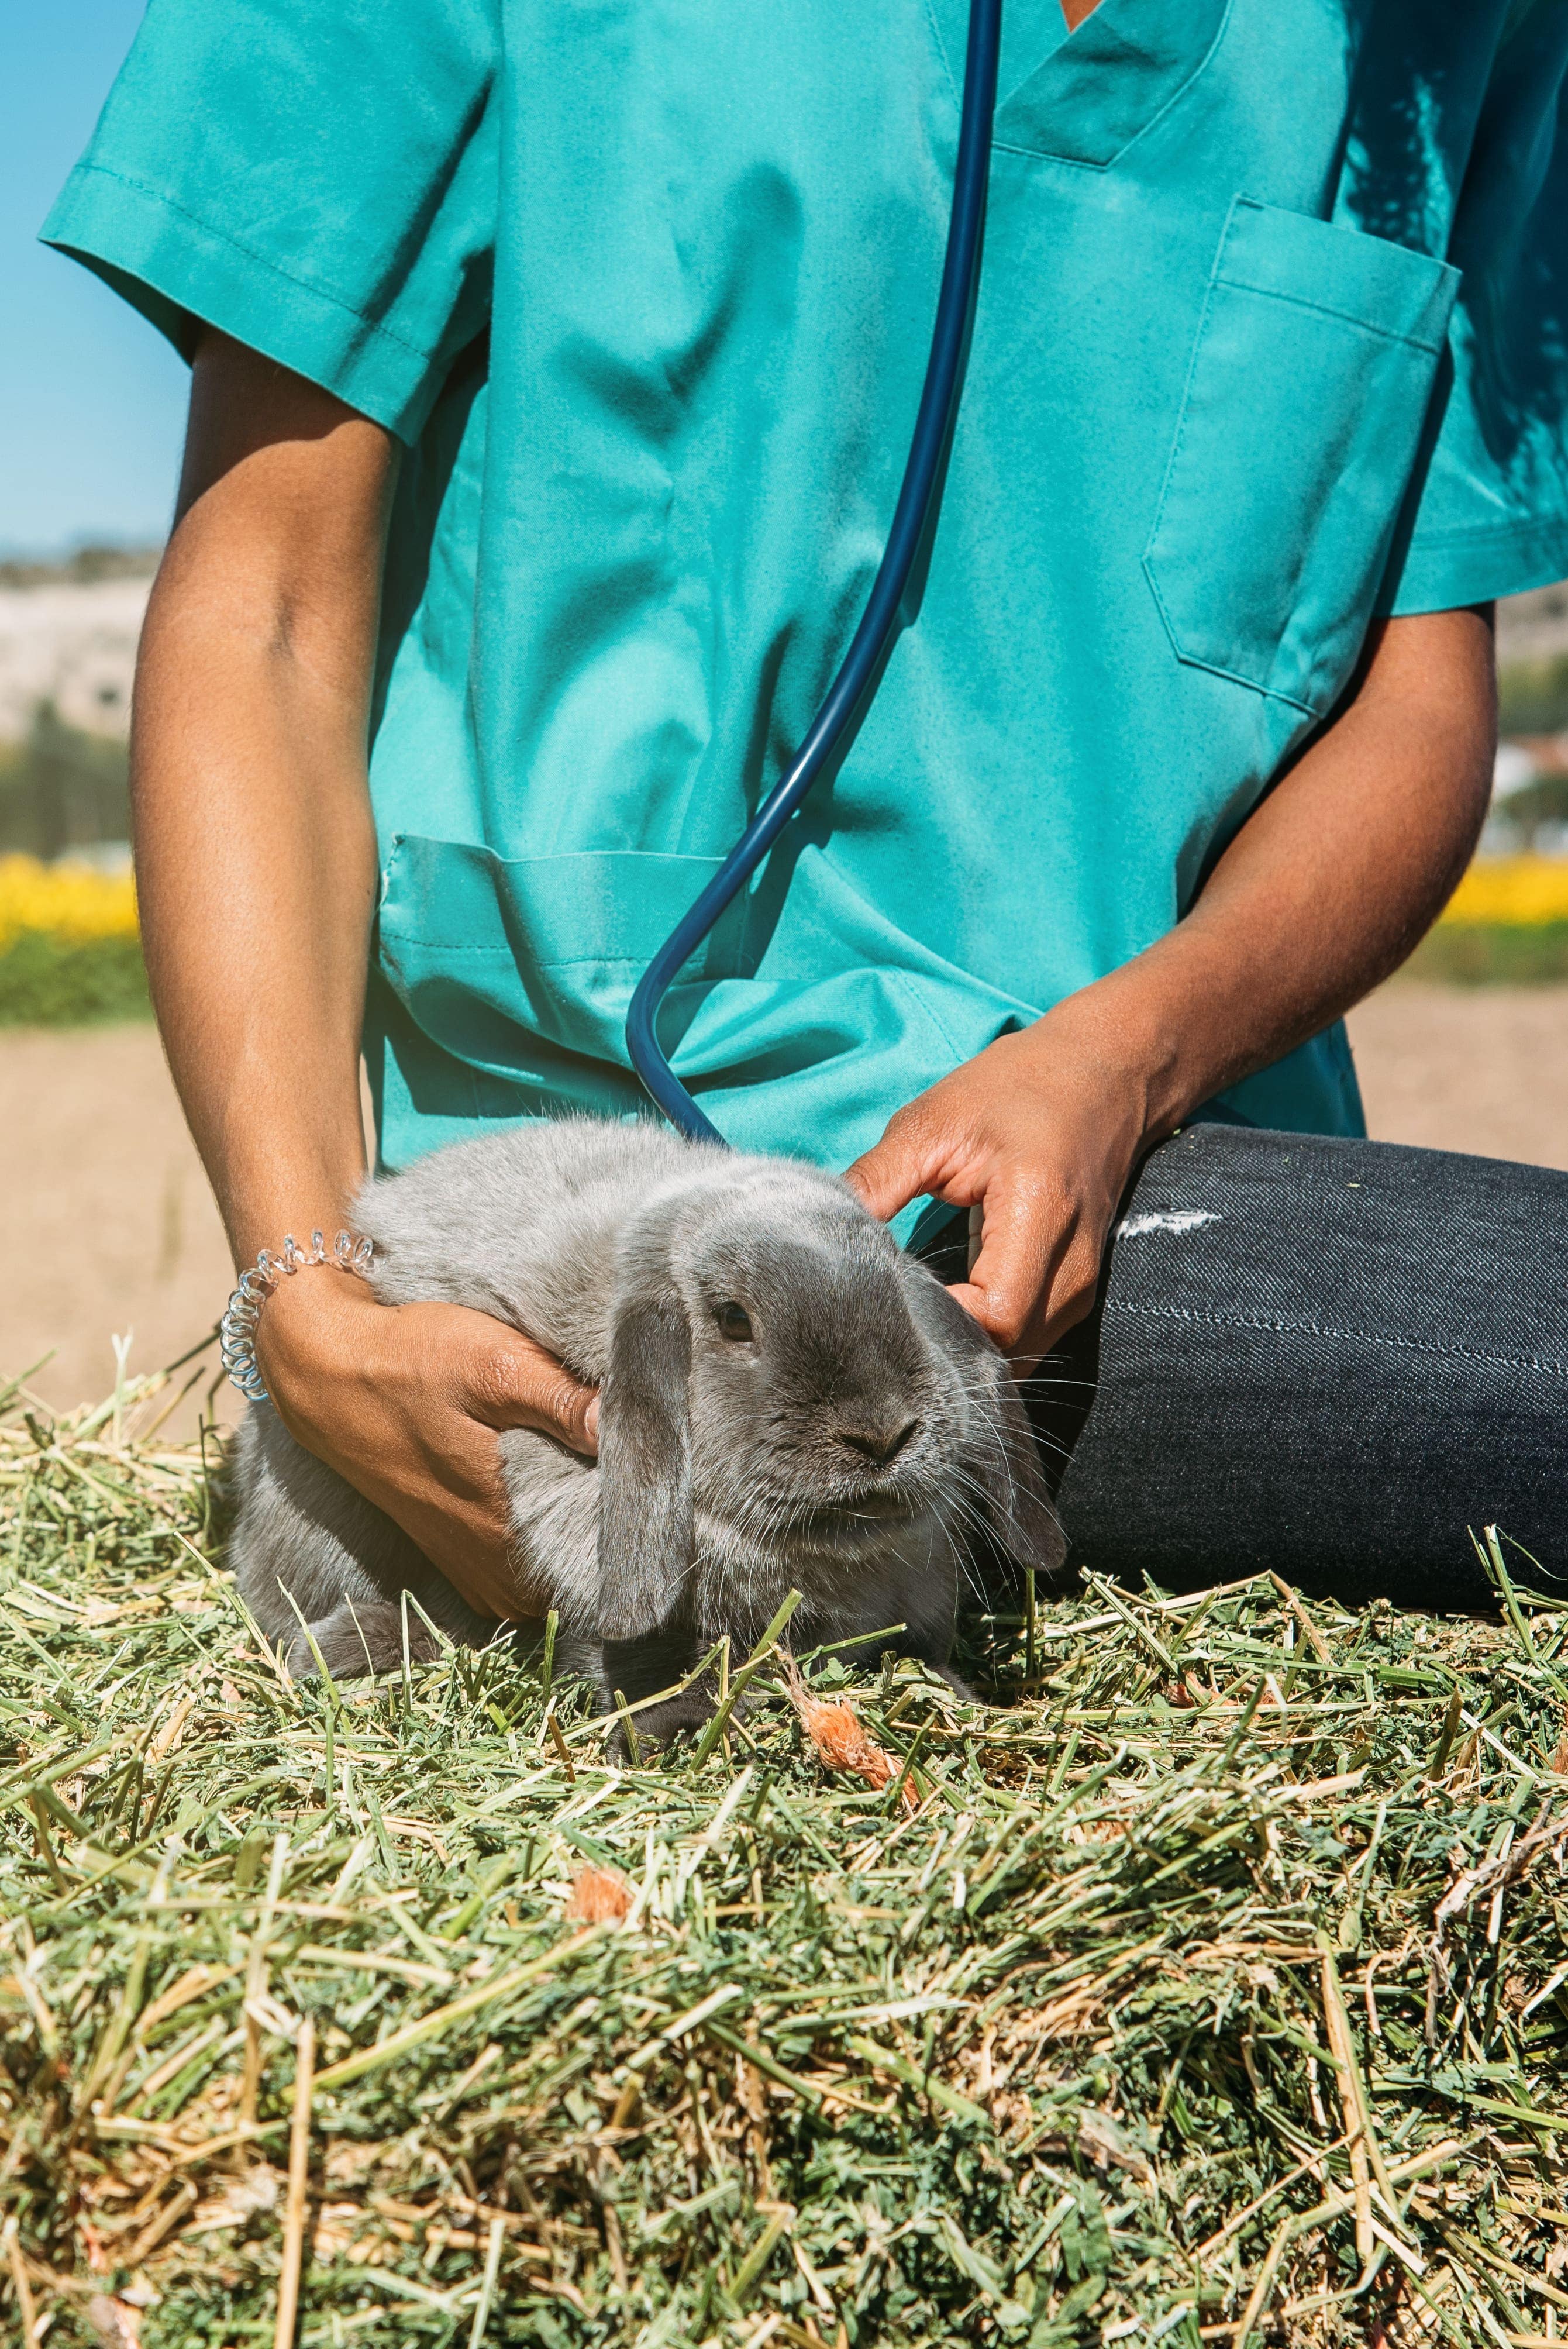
(237,1330)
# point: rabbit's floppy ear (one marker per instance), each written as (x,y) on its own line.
(1000,1458)
(645,1524)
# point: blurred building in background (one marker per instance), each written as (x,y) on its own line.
(69,635)
(1530,799)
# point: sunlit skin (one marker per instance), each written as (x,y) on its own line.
(257,867)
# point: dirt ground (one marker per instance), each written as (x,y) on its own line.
(110,1226)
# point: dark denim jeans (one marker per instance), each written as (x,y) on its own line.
(1328,1358)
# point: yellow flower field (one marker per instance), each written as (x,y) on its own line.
(72,903)
(1510,892)
(75,903)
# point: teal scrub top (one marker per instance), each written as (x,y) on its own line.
(1272,337)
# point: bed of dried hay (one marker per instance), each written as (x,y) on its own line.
(1211,1989)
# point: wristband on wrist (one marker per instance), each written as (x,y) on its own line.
(237,1330)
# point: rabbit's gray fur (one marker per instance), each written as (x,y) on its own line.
(727,1471)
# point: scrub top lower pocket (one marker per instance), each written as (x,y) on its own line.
(490,955)
(1305,402)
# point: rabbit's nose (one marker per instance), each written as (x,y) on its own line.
(879,1446)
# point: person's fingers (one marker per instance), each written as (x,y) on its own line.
(471,1548)
(1036,1275)
(454,1506)
(1022,1236)
(512,1382)
(912,1156)
(1072,1292)
(406,1403)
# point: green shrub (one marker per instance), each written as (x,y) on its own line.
(1493,954)
(50,982)
(1533,696)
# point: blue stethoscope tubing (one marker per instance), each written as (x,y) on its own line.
(932,425)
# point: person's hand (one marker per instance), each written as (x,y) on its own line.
(406,1402)
(1324,890)
(1041,1132)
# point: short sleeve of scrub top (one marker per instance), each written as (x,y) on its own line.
(1271,338)
(1488,514)
(315,178)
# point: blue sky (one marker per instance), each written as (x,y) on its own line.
(92,401)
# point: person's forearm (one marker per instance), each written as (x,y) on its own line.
(256,866)
(1329,885)
(255,852)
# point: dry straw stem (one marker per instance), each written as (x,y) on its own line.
(1077,2043)
(1352,2108)
(26,2311)
(299,2180)
(256,1979)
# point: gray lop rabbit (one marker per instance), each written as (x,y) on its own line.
(788,1401)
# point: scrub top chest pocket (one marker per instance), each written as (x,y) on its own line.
(1301,418)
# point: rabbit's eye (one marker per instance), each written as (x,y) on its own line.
(734,1322)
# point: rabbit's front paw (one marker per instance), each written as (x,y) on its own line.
(662,1723)
(355,1641)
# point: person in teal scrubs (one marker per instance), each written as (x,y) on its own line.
(554,369)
